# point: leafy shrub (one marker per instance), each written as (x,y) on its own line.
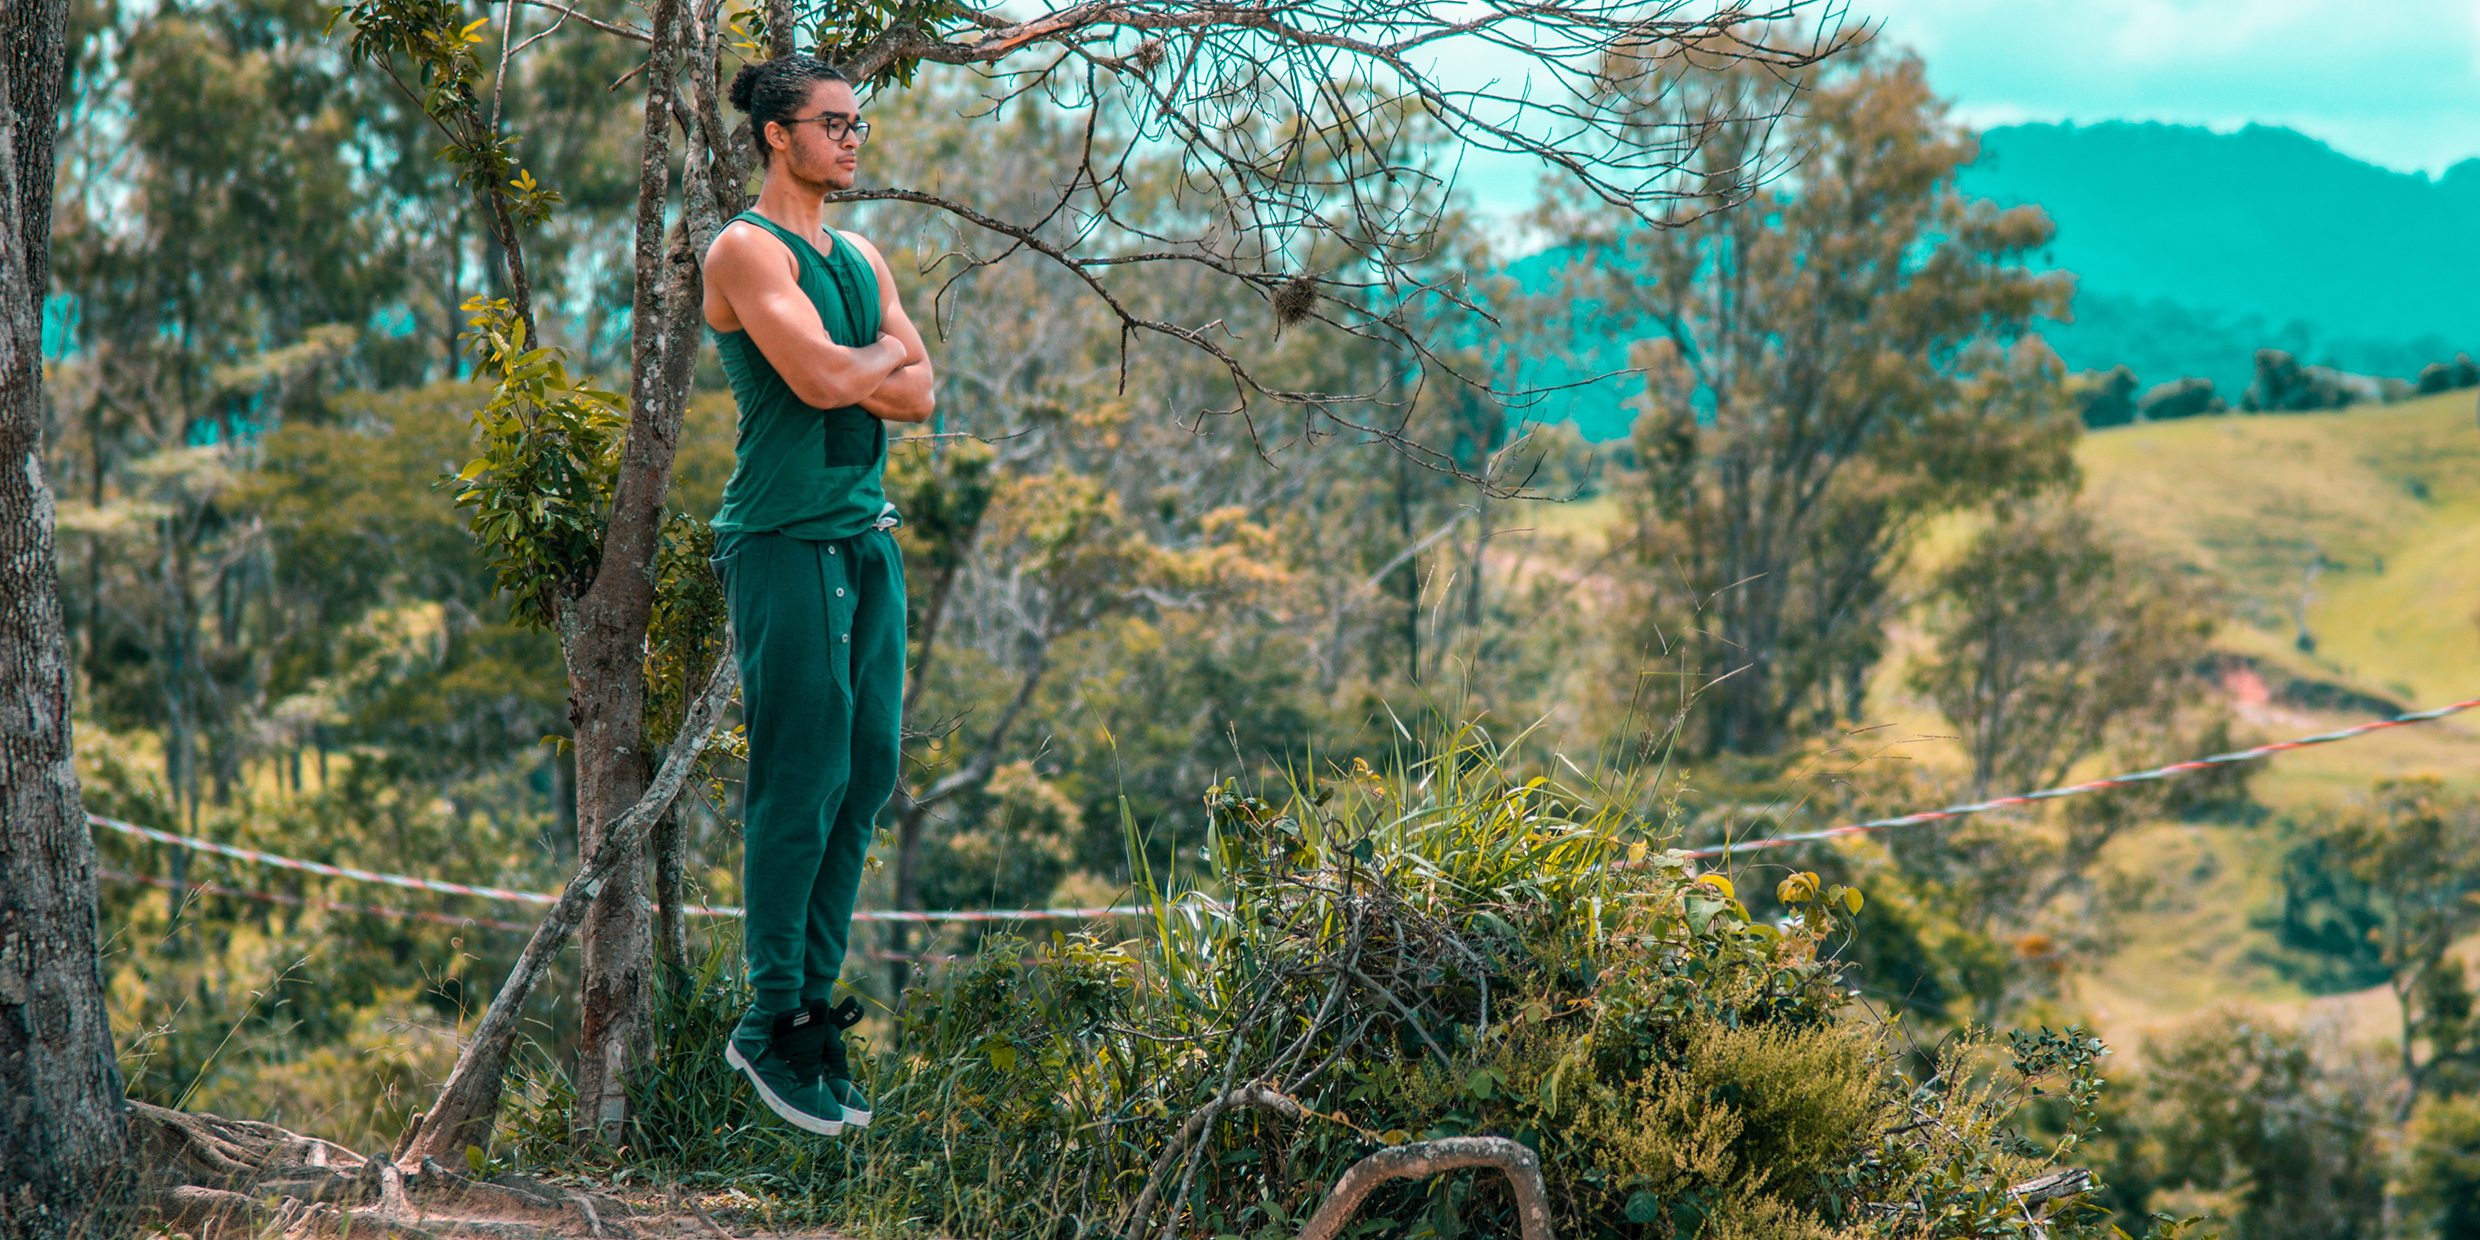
(2105,398)
(2437,377)
(2283,385)
(2444,1180)
(275,1008)
(1442,948)
(2182,398)
(2326,922)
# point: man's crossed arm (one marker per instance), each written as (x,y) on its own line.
(759,280)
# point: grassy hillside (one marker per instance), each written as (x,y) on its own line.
(2372,513)
(2387,502)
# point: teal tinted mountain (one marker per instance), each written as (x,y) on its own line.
(2195,248)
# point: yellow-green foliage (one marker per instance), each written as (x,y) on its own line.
(323,1020)
(1739,1128)
(1749,1118)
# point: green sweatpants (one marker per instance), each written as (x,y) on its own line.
(819,628)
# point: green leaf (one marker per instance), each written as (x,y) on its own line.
(476,1159)
(1687,1217)
(1643,1206)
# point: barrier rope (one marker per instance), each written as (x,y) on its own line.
(2115,781)
(278,897)
(1138,910)
(542,898)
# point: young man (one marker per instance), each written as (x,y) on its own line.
(821,356)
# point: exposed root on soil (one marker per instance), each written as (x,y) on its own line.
(220,1179)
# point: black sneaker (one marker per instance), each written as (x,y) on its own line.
(783,1056)
(838,1072)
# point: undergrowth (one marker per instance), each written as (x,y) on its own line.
(1439,948)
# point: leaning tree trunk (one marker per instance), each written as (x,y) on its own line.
(63,1139)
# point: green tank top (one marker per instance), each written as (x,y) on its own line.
(798,470)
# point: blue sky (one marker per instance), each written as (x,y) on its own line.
(2396,84)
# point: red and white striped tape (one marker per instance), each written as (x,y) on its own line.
(1139,910)
(2115,781)
(318,867)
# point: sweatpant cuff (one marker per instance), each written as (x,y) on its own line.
(777,1001)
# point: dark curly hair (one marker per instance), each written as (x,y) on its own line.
(775,90)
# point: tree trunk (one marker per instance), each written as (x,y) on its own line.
(604,632)
(63,1138)
(671,860)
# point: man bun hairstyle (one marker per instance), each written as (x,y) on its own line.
(772,91)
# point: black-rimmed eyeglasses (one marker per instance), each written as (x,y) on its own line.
(838,124)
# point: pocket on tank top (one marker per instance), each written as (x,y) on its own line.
(853,438)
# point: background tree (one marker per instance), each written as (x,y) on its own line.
(1824,373)
(2442,1182)
(62,1135)
(2052,642)
(2247,1122)
(2437,377)
(2283,385)
(2415,849)
(2106,398)
(2181,398)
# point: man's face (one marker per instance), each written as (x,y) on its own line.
(804,147)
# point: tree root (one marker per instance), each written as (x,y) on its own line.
(207,1176)
(1427,1158)
(186,1148)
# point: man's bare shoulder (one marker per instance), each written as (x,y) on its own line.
(742,244)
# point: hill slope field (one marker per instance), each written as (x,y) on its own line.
(2386,501)
(2372,513)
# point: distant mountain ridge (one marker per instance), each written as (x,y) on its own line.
(2194,248)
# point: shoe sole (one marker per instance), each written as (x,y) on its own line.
(801,1119)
